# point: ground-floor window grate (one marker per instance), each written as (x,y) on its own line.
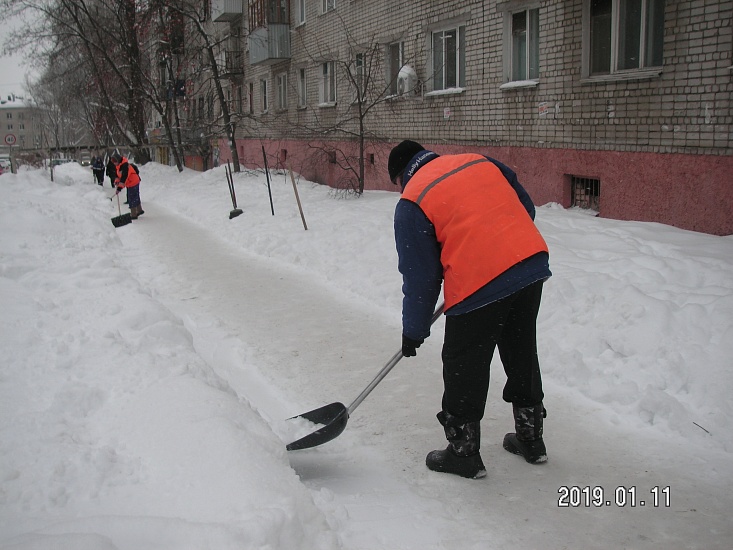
(586,193)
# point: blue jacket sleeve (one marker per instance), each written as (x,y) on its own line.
(418,251)
(511,177)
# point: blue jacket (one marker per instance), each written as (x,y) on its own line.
(420,262)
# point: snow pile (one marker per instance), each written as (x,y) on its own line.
(147,372)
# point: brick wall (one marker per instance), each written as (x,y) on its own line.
(682,114)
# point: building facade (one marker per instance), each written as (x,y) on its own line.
(620,106)
(19,129)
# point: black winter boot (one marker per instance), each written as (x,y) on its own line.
(461,457)
(528,439)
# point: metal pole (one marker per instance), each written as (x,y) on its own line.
(267,173)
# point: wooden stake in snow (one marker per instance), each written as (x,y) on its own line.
(297,198)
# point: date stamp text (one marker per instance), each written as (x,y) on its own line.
(573,496)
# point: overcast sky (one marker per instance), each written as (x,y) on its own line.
(12,71)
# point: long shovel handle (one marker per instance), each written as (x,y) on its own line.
(388,367)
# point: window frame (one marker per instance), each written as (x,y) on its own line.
(529,78)
(327,5)
(359,77)
(392,72)
(327,96)
(302,88)
(646,67)
(300,13)
(281,81)
(264,102)
(460,59)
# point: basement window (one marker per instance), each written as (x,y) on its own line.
(585,193)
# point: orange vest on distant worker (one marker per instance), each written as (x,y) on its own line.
(481,225)
(133,178)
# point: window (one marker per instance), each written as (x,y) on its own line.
(525,46)
(625,35)
(585,193)
(328,5)
(8,115)
(395,60)
(262,12)
(251,98)
(328,83)
(302,89)
(239,99)
(359,81)
(263,93)
(301,12)
(206,10)
(282,91)
(449,58)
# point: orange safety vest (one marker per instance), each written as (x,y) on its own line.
(481,225)
(132,178)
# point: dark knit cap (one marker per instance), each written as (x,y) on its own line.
(399,157)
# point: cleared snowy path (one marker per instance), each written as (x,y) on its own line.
(287,343)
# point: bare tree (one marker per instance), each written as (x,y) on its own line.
(210,46)
(369,88)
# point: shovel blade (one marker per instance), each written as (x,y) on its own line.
(234,213)
(124,219)
(333,417)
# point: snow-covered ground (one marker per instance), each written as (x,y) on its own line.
(147,373)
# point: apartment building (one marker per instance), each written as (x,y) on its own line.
(619,106)
(19,130)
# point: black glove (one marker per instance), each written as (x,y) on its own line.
(409,346)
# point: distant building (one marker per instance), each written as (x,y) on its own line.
(19,126)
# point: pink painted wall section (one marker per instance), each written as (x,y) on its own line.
(693,192)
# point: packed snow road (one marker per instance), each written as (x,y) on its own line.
(287,342)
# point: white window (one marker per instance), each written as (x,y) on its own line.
(263,94)
(301,12)
(302,89)
(395,60)
(327,92)
(328,5)
(449,58)
(623,35)
(282,91)
(525,45)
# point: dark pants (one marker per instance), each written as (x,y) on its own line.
(470,339)
(133,196)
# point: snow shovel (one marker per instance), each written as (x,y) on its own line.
(122,219)
(230,180)
(335,416)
